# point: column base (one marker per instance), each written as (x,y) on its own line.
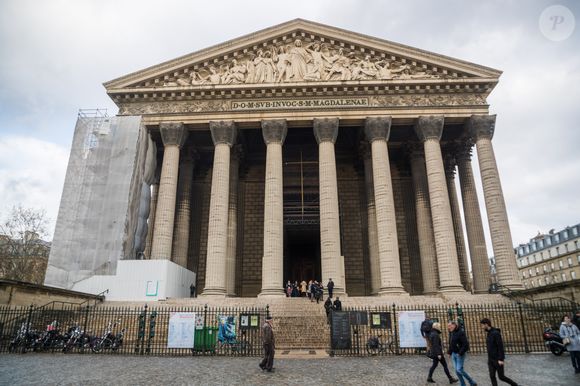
(214,292)
(388,291)
(272,293)
(452,290)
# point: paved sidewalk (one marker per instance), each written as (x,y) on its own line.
(75,369)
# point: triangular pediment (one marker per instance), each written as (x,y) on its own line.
(300,52)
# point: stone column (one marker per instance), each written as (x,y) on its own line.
(152,209)
(331,260)
(372,220)
(233,222)
(223,134)
(429,270)
(183,210)
(173,136)
(377,130)
(450,163)
(481,128)
(475,236)
(274,133)
(429,130)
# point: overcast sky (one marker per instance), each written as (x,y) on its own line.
(55,55)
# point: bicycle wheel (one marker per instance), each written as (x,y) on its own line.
(374,349)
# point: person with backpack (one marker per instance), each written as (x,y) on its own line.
(426,326)
(436,353)
(458,348)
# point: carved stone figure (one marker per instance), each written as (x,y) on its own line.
(299,59)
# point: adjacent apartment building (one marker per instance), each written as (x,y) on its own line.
(549,264)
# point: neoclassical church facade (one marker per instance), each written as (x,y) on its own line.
(298,152)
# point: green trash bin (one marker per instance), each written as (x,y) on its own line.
(205,339)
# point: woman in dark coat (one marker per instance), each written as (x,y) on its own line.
(437,354)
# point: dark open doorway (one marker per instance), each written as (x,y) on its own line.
(302,253)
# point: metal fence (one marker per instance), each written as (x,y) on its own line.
(231,331)
(356,331)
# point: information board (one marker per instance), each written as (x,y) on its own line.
(381,320)
(340,328)
(410,328)
(181,330)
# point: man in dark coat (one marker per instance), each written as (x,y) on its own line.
(269,344)
(495,353)
(458,347)
(330,287)
(576,319)
(328,308)
(337,306)
(437,354)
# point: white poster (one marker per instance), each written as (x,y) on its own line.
(181,330)
(410,328)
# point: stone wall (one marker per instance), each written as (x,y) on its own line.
(24,294)
(349,196)
(252,241)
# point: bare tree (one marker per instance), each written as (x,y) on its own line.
(23,251)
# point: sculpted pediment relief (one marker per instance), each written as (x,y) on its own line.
(300,52)
(301,62)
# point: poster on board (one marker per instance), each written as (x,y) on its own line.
(181,330)
(410,328)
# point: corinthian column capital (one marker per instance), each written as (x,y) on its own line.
(325,129)
(481,126)
(274,131)
(377,128)
(429,127)
(173,133)
(464,151)
(223,132)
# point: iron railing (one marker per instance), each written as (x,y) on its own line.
(521,324)
(231,331)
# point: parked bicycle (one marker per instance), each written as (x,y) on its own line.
(377,345)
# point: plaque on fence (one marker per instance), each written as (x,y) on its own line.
(249,321)
(181,332)
(340,330)
(381,320)
(359,318)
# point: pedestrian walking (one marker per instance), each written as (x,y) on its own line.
(571,336)
(328,308)
(458,348)
(330,287)
(269,343)
(426,330)
(302,288)
(436,354)
(495,353)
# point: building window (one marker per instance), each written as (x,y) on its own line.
(540,282)
(552,266)
(541,243)
(533,247)
(566,247)
(576,244)
(537,270)
(573,274)
(530,272)
(561,264)
(565,234)
(541,256)
(556,238)
(548,241)
(563,277)
(569,262)
(524,275)
(549,252)
(557,251)
(526,284)
(555,279)
(545,268)
(533,283)
(575,231)
(578,257)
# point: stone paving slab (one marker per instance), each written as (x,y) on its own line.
(75,369)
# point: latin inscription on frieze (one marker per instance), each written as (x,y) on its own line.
(299,104)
